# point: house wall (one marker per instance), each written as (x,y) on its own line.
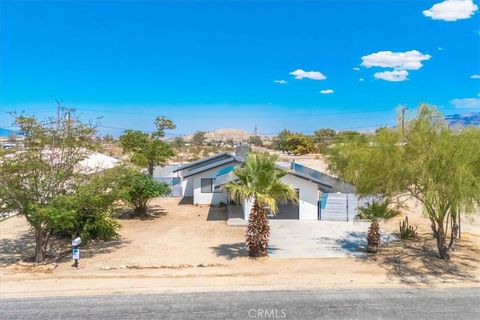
(208,198)
(308,209)
(187,187)
(309,196)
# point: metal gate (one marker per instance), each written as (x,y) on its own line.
(339,206)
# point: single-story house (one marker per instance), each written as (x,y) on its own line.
(203,180)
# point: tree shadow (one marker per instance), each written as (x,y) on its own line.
(18,249)
(354,241)
(22,249)
(416,261)
(231,251)
(153,212)
(94,248)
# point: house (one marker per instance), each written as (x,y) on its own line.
(203,181)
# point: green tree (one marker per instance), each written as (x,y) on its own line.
(323,138)
(375,212)
(325,135)
(435,165)
(140,188)
(45,169)
(199,138)
(259,180)
(299,144)
(162,124)
(280,141)
(148,150)
(178,142)
(350,136)
(108,138)
(91,207)
(255,140)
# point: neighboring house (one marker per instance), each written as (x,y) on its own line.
(203,180)
(166,175)
(95,162)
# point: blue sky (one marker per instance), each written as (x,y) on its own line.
(213,65)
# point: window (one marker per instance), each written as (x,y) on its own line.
(207,185)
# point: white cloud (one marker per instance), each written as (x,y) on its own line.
(314,75)
(327,91)
(395,75)
(475,76)
(440,49)
(361,79)
(466,103)
(451,10)
(280,81)
(409,60)
(356,68)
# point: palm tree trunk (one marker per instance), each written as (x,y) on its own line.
(373,237)
(258,232)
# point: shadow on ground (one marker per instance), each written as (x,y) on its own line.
(14,250)
(186,201)
(353,241)
(217,213)
(231,251)
(416,261)
(153,212)
(22,248)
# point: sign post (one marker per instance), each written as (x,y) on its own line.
(76,251)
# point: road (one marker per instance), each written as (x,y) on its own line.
(458,304)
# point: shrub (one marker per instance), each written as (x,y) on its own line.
(141,188)
(406,230)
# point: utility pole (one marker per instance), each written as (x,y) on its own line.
(255,130)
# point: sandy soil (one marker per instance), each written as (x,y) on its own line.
(188,248)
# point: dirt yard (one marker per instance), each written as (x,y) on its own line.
(188,248)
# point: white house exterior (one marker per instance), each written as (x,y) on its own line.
(203,181)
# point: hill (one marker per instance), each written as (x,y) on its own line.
(225,134)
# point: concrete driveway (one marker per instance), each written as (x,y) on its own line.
(316,239)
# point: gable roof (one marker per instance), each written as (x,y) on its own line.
(324,187)
(204,162)
(329,183)
(325,182)
(213,165)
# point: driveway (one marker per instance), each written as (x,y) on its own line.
(316,239)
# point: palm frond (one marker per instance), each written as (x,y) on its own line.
(260,178)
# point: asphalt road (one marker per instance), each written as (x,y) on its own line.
(458,304)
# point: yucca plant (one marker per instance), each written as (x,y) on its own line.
(375,212)
(259,179)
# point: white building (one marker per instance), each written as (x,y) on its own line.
(203,181)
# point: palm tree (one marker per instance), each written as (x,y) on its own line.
(259,179)
(376,212)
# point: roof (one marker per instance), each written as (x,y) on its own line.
(322,185)
(325,182)
(96,162)
(213,165)
(329,183)
(203,162)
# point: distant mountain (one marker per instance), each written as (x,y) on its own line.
(463,120)
(224,134)
(5,132)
